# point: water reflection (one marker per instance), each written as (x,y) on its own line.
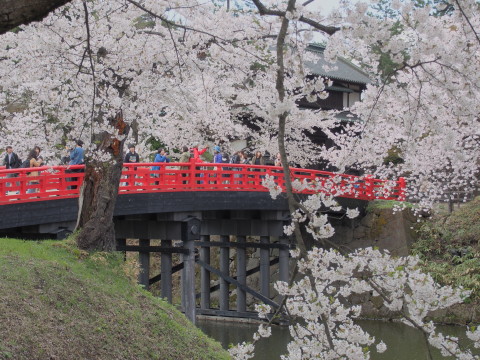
(403,342)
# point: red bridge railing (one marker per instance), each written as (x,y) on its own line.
(58,182)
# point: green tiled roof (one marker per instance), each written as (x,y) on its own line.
(345,70)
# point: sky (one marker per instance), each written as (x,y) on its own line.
(324,5)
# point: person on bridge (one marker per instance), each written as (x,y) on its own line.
(34,161)
(76,154)
(278,160)
(196,159)
(11,161)
(243,157)
(38,150)
(197,153)
(258,159)
(160,157)
(76,158)
(184,158)
(132,156)
(217,157)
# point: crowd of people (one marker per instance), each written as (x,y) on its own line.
(194,155)
(75,156)
(34,159)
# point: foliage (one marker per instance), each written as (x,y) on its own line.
(394,156)
(449,247)
(59,302)
(388,204)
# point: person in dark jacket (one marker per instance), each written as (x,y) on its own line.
(132,156)
(11,160)
(258,159)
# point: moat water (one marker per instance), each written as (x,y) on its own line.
(403,342)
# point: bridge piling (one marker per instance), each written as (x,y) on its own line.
(241,273)
(123,243)
(190,230)
(144,260)
(283,260)
(205,274)
(166,272)
(225,270)
(265,267)
(188,281)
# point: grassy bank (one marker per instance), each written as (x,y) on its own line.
(57,302)
(449,246)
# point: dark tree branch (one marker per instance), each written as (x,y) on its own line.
(169,22)
(263,10)
(14,13)
(467,19)
(88,50)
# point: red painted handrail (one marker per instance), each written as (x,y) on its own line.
(59,182)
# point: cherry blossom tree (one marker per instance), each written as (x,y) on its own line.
(88,71)
(426,107)
(94,68)
(158,66)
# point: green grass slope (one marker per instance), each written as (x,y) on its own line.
(57,302)
(449,246)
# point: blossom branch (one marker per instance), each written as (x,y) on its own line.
(88,49)
(467,20)
(263,10)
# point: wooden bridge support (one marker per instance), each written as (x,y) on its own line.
(283,264)
(241,274)
(144,261)
(225,270)
(166,272)
(205,274)
(265,267)
(188,230)
(188,281)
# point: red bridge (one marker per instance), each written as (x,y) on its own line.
(213,208)
(56,182)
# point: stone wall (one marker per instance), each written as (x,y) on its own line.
(380,228)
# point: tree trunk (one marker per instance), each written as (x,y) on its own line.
(19,12)
(99,194)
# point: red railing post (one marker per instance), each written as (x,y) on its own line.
(3,188)
(369,187)
(192,169)
(402,186)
